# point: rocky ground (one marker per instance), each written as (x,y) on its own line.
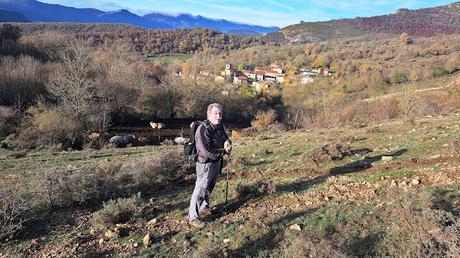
(278,184)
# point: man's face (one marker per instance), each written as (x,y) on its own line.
(215,116)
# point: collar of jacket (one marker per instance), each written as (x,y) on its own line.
(214,127)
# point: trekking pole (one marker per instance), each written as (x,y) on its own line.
(226,184)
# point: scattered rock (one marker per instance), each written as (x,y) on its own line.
(295,227)
(415,182)
(226,241)
(403,183)
(393,183)
(146,240)
(330,152)
(387,158)
(152,222)
(136,245)
(110,234)
(101,241)
(435,156)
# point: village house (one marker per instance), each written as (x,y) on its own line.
(270,77)
(259,74)
(239,80)
(228,70)
(275,77)
(276,68)
(260,86)
(250,74)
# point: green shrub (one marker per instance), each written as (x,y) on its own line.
(399,77)
(439,71)
(117,211)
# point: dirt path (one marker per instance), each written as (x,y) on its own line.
(454,82)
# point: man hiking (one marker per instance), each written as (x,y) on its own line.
(212,143)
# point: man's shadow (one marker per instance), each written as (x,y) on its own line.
(364,164)
(235,203)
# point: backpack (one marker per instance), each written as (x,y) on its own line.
(190,152)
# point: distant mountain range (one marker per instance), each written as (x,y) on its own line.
(35,11)
(10,16)
(423,22)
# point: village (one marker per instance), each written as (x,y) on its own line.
(261,80)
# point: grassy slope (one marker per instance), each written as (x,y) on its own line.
(306,194)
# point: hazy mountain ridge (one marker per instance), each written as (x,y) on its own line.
(36,11)
(10,16)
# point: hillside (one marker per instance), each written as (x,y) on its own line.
(395,193)
(147,42)
(422,22)
(10,16)
(188,21)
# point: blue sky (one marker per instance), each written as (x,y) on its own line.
(261,12)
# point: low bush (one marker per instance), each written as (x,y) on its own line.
(263,119)
(64,187)
(9,121)
(50,126)
(12,214)
(412,225)
(160,168)
(117,211)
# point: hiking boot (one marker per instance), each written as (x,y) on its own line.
(205,212)
(197,223)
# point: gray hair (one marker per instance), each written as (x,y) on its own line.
(214,105)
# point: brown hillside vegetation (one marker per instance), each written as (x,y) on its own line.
(144,41)
(422,22)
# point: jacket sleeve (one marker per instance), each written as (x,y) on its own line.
(203,145)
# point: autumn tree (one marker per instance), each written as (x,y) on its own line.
(405,39)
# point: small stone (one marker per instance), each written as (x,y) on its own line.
(403,183)
(415,182)
(435,156)
(136,245)
(146,240)
(295,227)
(326,198)
(393,183)
(152,222)
(110,234)
(445,145)
(387,158)
(209,234)
(101,241)
(226,241)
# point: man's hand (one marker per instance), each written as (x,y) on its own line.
(228,146)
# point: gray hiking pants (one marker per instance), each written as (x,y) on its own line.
(206,178)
